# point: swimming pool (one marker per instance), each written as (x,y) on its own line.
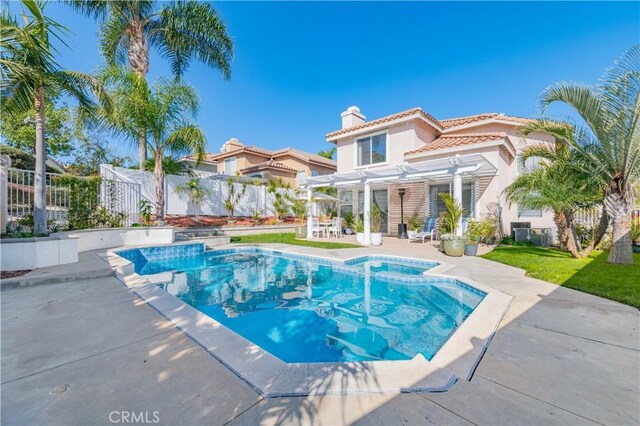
(306,309)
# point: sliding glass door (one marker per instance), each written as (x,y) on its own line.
(378,197)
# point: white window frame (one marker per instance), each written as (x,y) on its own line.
(235,165)
(370,135)
(525,213)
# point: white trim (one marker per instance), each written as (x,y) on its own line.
(497,119)
(488,144)
(371,135)
(386,124)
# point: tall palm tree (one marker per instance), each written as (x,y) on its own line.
(30,74)
(558,184)
(610,143)
(181,30)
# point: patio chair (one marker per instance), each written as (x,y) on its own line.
(315,227)
(336,227)
(429,230)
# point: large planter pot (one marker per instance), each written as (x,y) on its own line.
(360,237)
(301,232)
(470,249)
(454,248)
(376,238)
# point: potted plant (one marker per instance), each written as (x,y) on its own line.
(442,228)
(376,220)
(472,238)
(359,231)
(415,223)
(299,208)
(348,219)
(487,228)
(453,244)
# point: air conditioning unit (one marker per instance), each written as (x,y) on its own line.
(519,225)
(542,236)
(521,234)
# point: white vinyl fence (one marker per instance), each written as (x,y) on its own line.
(256,197)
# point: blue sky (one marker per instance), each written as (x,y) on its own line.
(298,65)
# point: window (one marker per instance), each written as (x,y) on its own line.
(346,202)
(436,205)
(379,197)
(372,149)
(315,173)
(527,166)
(230,166)
(301,174)
(257,176)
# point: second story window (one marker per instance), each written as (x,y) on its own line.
(372,149)
(301,174)
(230,166)
(315,173)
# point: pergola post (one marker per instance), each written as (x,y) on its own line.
(309,213)
(457,195)
(367,213)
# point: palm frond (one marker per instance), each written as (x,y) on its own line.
(187,30)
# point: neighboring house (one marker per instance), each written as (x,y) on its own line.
(474,158)
(290,164)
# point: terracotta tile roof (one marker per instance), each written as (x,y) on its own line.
(451,141)
(303,155)
(459,121)
(386,119)
(269,164)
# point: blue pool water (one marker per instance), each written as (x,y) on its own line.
(306,309)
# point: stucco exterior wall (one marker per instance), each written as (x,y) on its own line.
(412,135)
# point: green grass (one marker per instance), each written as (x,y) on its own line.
(591,275)
(290,238)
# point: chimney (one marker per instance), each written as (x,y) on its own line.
(352,117)
(231,145)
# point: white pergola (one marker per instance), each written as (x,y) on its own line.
(454,167)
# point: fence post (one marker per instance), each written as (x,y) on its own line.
(5,163)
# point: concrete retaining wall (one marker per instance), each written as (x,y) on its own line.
(32,253)
(63,247)
(94,239)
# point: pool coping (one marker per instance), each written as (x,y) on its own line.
(272,377)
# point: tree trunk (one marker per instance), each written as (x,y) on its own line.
(142,150)
(621,247)
(139,61)
(39,184)
(619,202)
(599,232)
(158,174)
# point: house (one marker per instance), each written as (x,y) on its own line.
(473,157)
(290,164)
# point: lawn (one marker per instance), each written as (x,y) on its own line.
(290,238)
(591,275)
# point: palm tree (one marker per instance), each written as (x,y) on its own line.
(171,106)
(30,74)
(610,143)
(179,30)
(164,111)
(558,184)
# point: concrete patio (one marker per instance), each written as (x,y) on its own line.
(77,351)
